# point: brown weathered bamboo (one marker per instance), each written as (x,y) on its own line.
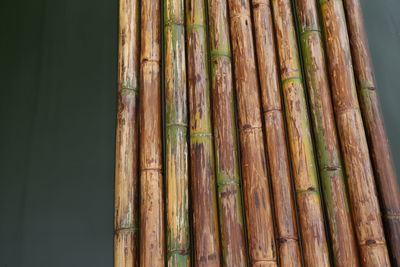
(126,155)
(258,205)
(315,249)
(277,150)
(176,147)
(362,192)
(385,174)
(203,181)
(152,247)
(225,142)
(327,145)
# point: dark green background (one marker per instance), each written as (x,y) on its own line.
(57,118)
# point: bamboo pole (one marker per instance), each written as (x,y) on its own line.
(385,175)
(327,144)
(258,205)
(277,150)
(225,142)
(203,181)
(364,202)
(176,120)
(152,248)
(126,156)
(315,249)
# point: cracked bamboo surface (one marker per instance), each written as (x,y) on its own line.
(126,155)
(385,174)
(176,121)
(257,199)
(360,178)
(152,236)
(203,180)
(277,149)
(327,145)
(315,247)
(225,142)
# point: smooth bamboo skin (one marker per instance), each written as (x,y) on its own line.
(225,141)
(360,178)
(315,249)
(177,151)
(152,247)
(126,156)
(277,150)
(327,145)
(385,175)
(203,180)
(257,199)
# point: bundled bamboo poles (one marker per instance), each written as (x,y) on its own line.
(203,183)
(364,202)
(315,249)
(289,250)
(225,142)
(327,144)
(176,120)
(126,156)
(152,247)
(385,175)
(258,206)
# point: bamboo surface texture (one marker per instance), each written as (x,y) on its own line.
(152,236)
(257,199)
(277,150)
(327,145)
(177,150)
(225,142)
(126,156)
(362,192)
(315,248)
(203,184)
(385,175)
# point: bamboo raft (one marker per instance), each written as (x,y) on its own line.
(249,133)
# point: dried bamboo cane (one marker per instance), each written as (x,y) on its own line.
(277,150)
(327,144)
(176,120)
(315,249)
(126,156)
(203,181)
(225,142)
(363,199)
(258,205)
(152,248)
(385,175)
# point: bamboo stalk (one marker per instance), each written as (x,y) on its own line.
(327,144)
(203,180)
(176,120)
(225,142)
(277,150)
(385,175)
(364,202)
(315,249)
(126,156)
(258,205)
(152,248)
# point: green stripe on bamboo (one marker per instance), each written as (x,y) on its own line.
(225,142)
(360,178)
(257,199)
(277,149)
(385,174)
(126,155)
(315,248)
(176,149)
(326,140)
(203,180)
